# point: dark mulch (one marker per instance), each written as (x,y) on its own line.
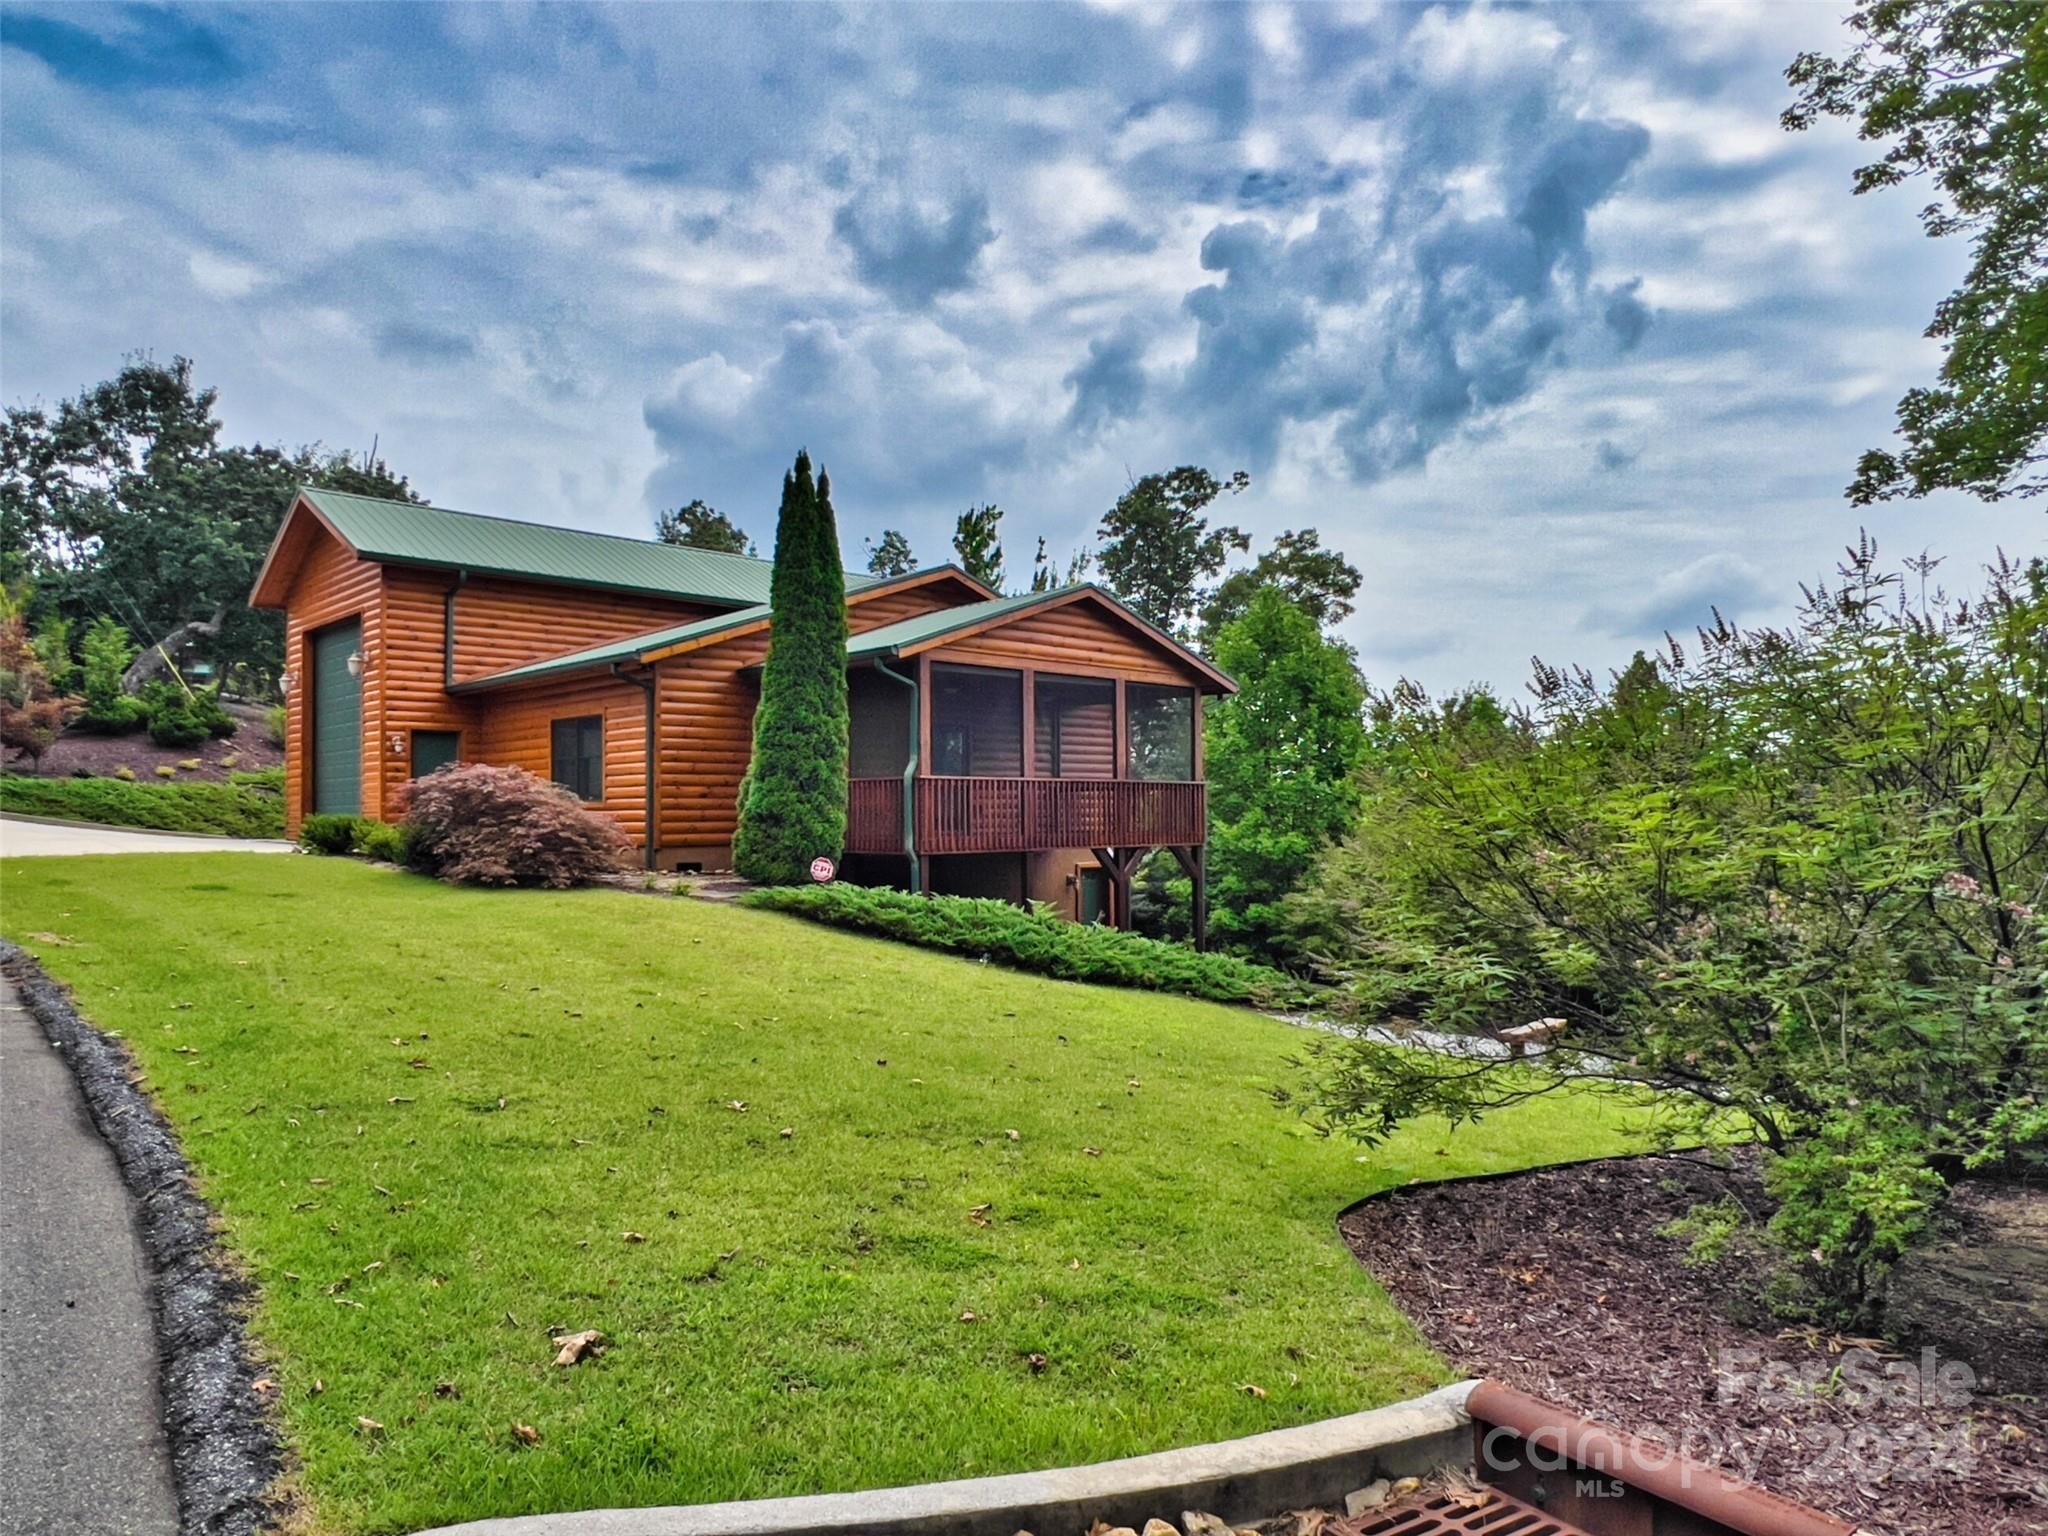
(1557,1283)
(99,756)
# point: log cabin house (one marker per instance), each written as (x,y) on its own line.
(1034,746)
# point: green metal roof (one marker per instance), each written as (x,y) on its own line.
(409,534)
(891,638)
(915,633)
(629,649)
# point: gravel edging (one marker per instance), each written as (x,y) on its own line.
(226,1455)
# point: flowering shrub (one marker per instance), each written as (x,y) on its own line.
(1793,880)
(481,825)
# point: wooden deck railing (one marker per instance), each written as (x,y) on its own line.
(987,815)
(874,816)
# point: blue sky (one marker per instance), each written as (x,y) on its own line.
(1534,312)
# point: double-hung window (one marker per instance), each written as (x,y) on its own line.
(579,756)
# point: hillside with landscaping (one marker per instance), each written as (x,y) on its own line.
(844,1212)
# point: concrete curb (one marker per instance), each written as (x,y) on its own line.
(1240,1480)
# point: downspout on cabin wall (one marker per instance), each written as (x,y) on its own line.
(644,680)
(910,767)
(448,629)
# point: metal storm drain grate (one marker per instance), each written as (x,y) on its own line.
(1496,1514)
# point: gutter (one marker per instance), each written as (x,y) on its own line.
(910,767)
(448,629)
(644,681)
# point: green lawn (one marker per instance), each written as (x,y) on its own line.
(429,1115)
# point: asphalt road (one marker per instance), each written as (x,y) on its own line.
(82,1450)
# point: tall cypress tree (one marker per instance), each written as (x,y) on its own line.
(793,803)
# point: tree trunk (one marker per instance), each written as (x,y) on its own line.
(158,660)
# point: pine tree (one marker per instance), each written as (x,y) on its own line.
(793,803)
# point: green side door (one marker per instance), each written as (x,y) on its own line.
(1095,894)
(336,752)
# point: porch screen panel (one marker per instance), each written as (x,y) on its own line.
(977,722)
(1075,730)
(880,725)
(1162,729)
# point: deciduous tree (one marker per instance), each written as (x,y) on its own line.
(1157,550)
(890,555)
(978,542)
(1320,582)
(697,525)
(1957,92)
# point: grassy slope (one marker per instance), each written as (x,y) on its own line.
(278,1006)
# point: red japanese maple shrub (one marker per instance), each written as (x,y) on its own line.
(475,824)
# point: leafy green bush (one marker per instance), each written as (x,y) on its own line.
(223,810)
(336,835)
(268,779)
(274,725)
(382,840)
(1788,879)
(1034,941)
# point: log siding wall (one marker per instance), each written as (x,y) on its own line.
(704,699)
(330,585)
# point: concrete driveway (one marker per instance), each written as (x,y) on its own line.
(23,837)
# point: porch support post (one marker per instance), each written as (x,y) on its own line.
(1123,734)
(1194,859)
(1028,695)
(1120,862)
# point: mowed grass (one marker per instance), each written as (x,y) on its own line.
(428,1117)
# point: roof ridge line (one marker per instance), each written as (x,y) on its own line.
(523,522)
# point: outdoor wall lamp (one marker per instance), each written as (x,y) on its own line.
(355,663)
(286,682)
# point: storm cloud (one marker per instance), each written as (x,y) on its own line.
(1533,312)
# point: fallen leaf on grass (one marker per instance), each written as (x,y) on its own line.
(1251,1389)
(979,1215)
(448,1391)
(1014,1135)
(317,1388)
(1091,1151)
(632,1237)
(737,1106)
(264,1387)
(59,940)
(369,1426)
(787,1132)
(575,1347)
(970,1316)
(526,1434)
(1037,1362)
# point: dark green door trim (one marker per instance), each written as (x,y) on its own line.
(335,752)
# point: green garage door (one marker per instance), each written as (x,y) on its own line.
(336,754)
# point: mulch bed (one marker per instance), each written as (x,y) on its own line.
(1556,1282)
(98,756)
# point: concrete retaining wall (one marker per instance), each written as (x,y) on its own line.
(1241,1480)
